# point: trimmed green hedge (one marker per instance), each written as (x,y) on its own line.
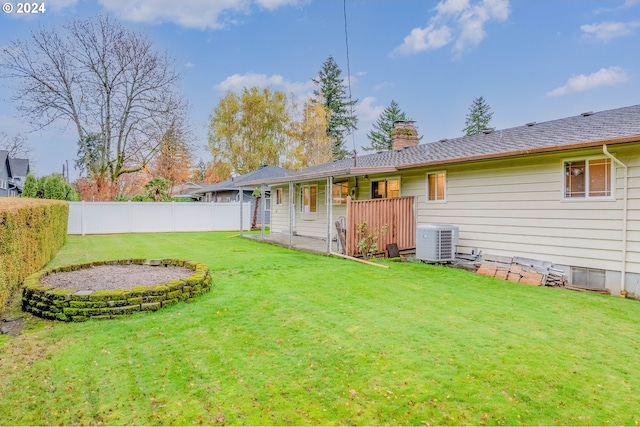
(73,305)
(31,232)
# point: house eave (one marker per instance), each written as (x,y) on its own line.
(311,176)
(525,152)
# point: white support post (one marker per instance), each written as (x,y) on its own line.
(241,210)
(292,212)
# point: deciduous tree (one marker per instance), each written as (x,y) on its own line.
(218,171)
(199,171)
(17,146)
(249,129)
(173,161)
(109,82)
(315,145)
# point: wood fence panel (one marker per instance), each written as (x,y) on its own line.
(397,214)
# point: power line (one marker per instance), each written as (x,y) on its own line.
(346,42)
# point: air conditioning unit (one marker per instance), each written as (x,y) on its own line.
(436,242)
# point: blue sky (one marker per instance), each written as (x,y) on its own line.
(532,60)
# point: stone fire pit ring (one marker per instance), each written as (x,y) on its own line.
(77,304)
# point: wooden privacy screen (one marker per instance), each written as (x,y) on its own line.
(397,214)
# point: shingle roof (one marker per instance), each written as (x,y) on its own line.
(264,173)
(585,129)
(19,167)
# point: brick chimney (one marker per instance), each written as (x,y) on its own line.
(404,134)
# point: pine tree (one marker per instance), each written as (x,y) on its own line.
(333,94)
(380,135)
(478,117)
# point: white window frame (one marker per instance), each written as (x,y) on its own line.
(279,196)
(586,196)
(307,209)
(342,199)
(444,187)
(3,184)
(267,201)
(387,179)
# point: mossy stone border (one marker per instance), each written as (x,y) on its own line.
(71,305)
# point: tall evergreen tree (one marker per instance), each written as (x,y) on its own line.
(332,92)
(380,135)
(30,188)
(478,117)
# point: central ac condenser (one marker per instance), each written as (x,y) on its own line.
(436,242)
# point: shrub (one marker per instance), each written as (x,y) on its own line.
(31,232)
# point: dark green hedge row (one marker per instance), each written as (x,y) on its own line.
(73,305)
(31,232)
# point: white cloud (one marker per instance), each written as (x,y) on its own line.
(58,5)
(187,13)
(421,39)
(237,82)
(367,111)
(626,5)
(603,77)
(274,4)
(458,21)
(605,31)
(189,65)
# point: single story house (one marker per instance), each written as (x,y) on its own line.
(229,191)
(186,191)
(13,173)
(565,191)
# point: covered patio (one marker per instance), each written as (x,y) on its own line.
(307,244)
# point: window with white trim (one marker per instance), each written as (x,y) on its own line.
(385,188)
(279,196)
(340,192)
(436,186)
(309,199)
(3,184)
(587,178)
(267,201)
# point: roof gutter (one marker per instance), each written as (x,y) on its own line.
(318,175)
(519,153)
(625,209)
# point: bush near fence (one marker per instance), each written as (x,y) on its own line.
(31,232)
(72,305)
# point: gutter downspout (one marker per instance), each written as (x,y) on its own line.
(623,271)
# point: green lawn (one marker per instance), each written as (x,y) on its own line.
(287,337)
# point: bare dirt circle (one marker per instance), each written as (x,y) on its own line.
(115,277)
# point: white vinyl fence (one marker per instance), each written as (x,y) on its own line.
(155,217)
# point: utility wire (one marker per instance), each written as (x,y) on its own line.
(346,42)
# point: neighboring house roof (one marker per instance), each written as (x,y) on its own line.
(3,157)
(588,129)
(187,188)
(259,175)
(18,167)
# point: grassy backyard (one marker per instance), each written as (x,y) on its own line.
(287,337)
